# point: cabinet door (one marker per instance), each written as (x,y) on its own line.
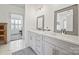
(60,51)
(49,49)
(38,44)
(32,40)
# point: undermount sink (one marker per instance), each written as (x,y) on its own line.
(52,34)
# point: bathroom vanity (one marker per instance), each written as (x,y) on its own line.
(44,43)
(64,40)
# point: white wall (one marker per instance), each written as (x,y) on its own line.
(48,10)
(27,22)
(78,20)
(5,11)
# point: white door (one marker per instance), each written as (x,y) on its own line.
(16,26)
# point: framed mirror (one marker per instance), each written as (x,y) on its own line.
(66,20)
(40,22)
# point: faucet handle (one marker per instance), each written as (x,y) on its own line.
(63,31)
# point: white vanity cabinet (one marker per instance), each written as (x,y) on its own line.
(54,50)
(53,46)
(38,44)
(49,49)
(46,45)
(35,42)
(32,40)
(61,51)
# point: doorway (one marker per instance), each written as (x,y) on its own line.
(16,27)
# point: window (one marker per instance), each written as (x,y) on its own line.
(16,23)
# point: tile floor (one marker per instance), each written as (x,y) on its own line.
(11,47)
(4,50)
(25,51)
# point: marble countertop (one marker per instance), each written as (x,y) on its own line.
(64,37)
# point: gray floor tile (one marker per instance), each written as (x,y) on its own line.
(25,51)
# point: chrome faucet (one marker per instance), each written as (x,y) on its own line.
(47,29)
(63,31)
